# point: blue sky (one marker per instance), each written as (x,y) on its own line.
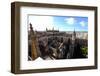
(63,23)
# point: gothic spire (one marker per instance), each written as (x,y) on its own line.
(31,28)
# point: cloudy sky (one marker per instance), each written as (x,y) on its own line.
(63,23)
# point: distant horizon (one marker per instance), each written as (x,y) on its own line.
(61,23)
(62,31)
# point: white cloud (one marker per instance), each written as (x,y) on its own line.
(82,23)
(40,23)
(70,21)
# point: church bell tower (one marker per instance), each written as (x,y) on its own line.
(74,35)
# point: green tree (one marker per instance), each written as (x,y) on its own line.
(84,51)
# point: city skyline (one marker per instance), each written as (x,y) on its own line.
(61,23)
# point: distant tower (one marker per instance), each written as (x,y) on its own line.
(46,29)
(53,32)
(74,35)
(58,29)
(53,28)
(34,53)
(31,28)
(72,46)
